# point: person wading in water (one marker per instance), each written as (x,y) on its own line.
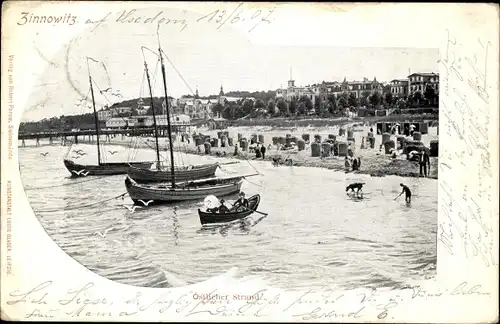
(407,193)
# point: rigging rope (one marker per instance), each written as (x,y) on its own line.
(64,184)
(78,207)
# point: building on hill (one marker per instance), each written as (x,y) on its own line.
(106,113)
(419,81)
(293,92)
(325,89)
(399,87)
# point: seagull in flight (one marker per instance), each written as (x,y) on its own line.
(145,203)
(105,90)
(75,157)
(105,232)
(80,153)
(131,209)
(81,172)
(44,154)
(113,152)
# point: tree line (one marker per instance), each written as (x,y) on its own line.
(330,106)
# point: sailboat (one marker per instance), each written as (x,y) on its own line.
(185,190)
(102,168)
(182,173)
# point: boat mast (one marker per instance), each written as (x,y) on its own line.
(154,116)
(95,116)
(169,129)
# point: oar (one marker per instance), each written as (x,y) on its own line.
(255,211)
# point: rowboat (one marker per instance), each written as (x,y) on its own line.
(234,214)
(82,170)
(182,191)
(142,174)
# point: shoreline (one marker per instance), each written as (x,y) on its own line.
(373,162)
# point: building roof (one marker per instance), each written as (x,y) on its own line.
(400,80)
(425,74)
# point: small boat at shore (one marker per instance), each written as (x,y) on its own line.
(101,169)
(234,214)
(144,174)
(183,191)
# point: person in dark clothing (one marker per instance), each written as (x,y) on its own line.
(425,163)
(222,209)
(241,202)
(355,165)
(257,152)
(407,193)
(263,151)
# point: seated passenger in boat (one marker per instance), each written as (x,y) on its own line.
(222,208)
(242,201)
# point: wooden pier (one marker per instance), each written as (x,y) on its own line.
(64,135)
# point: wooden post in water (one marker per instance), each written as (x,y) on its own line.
(76,139)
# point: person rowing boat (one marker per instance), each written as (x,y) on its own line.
(242,201)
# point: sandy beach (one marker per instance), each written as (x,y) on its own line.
(373,161)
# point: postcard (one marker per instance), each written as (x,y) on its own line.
(239,161)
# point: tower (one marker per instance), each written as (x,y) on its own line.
(197,95)
(291,82)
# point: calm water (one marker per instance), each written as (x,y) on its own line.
(314,234)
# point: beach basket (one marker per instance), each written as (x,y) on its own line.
(281,140)
(372,142)
(243,144)
(255,138)
(341,131)
(214,142)
(198,140)
(223,140)
(206,138)
(226,133)
(219,134)
(331,136)
(301,145)
(306,137)
(424,128)
(434,148)
(350,133)
(326,148)
(342,148)
(386,137)
(388,146)
(401,141)
(417,136)
(275,140)
(317,138)
(230,141)
(261,139)
(207,147)
(239,137)
(315,150)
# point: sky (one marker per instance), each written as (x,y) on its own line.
(206,60)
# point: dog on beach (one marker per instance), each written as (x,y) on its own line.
(357,185)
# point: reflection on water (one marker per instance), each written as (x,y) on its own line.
(314,233)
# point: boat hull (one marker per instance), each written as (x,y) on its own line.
(231,216)
(165,194)
(81,170)
(143,175)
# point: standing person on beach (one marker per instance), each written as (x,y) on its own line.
(424,161)
(407,193)
(257,151)
(263,151)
